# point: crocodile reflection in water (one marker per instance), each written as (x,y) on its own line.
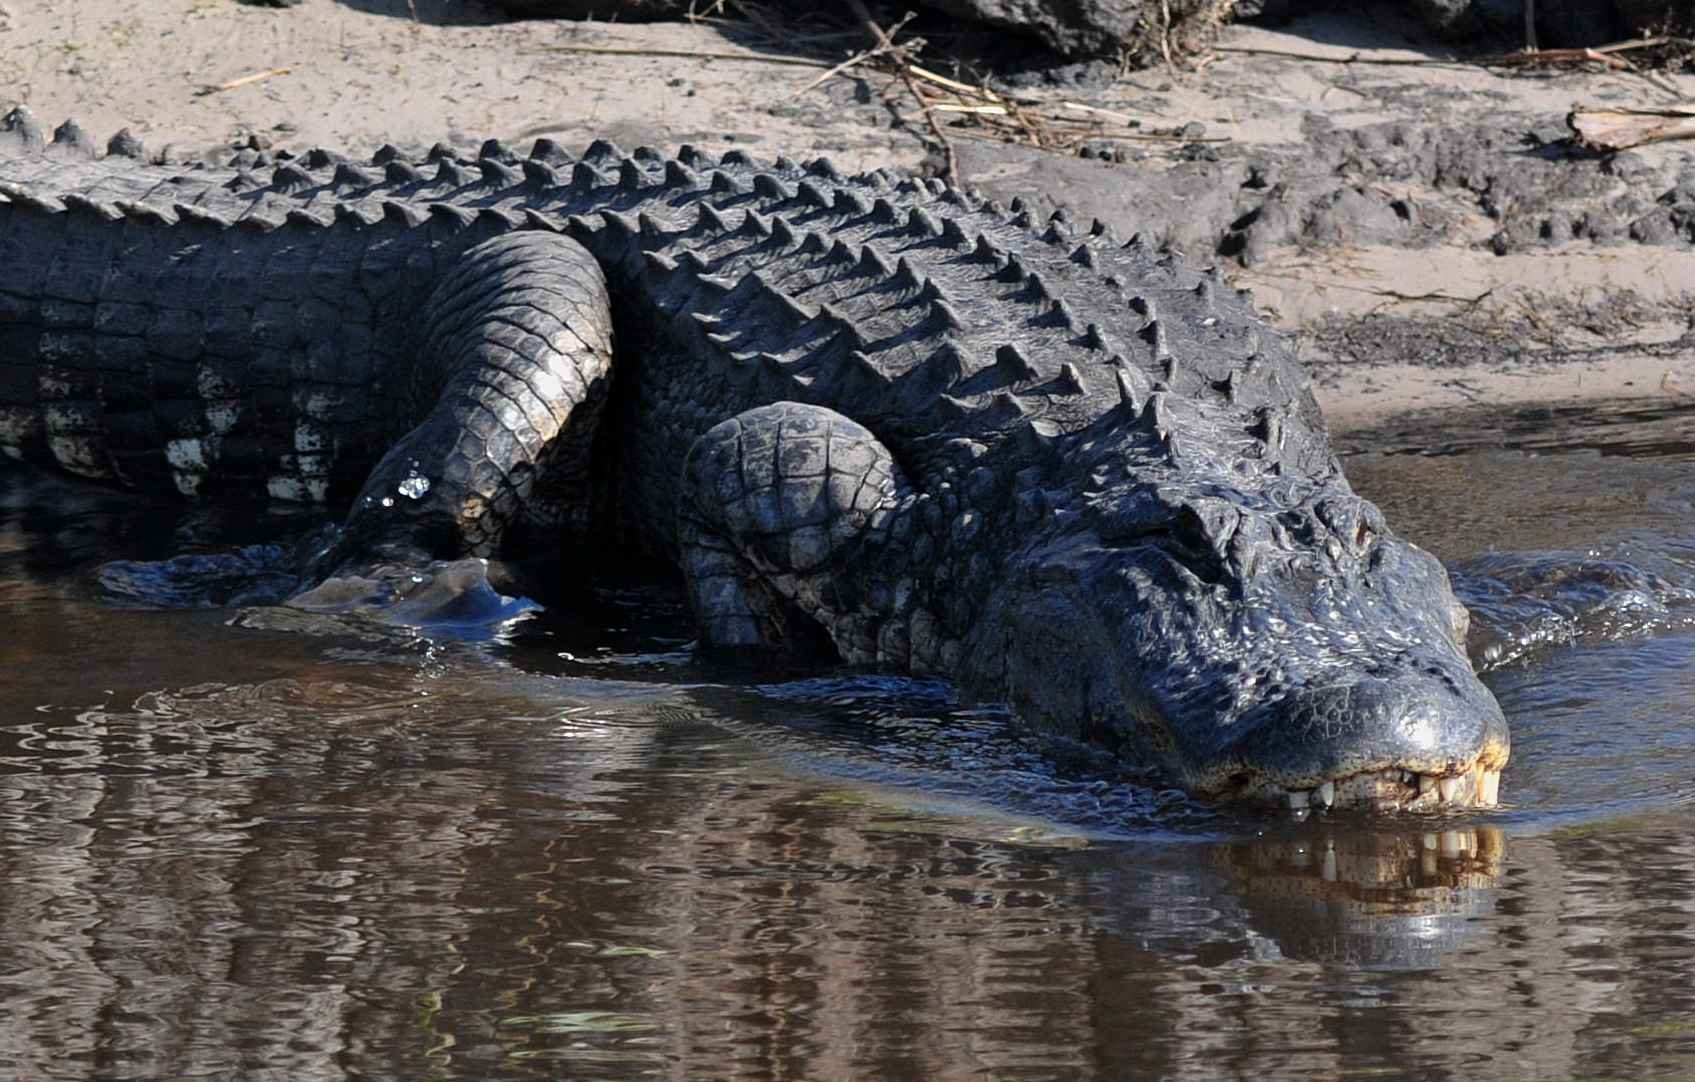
(1369,899)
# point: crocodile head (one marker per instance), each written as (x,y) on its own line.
(1261,638)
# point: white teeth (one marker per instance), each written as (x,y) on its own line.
(1489,789)
(1480,787)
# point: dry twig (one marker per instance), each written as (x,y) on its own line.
(245,80)
(883,48)
(977,112)
(1540,58)
(884,42)
(1325,58)
(1064,125)
(1605,55)
(624,50)
(1617,129)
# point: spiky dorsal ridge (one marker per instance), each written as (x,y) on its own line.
(908,273)
(924,285)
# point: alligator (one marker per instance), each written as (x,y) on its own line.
(935,435)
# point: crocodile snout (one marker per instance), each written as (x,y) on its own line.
(1427,737)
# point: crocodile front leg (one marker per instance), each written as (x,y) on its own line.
(792,520)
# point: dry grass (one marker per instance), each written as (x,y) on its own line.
(1181,41)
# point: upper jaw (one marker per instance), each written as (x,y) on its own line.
(1389,789)
(1419,743)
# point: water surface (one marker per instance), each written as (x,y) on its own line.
(251,844)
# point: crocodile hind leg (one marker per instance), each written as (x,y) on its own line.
(779,506)
(513,362)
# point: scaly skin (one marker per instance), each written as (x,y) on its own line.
(1069,473)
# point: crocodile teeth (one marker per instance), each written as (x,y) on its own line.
(1397,787)
(1489,789)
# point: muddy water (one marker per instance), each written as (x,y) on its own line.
(248,845)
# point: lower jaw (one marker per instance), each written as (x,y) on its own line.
(1395,790)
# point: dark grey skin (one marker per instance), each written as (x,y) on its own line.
(1071,474)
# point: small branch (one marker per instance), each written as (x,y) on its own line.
(1351,58)
(245,80)
(1432,295)
(1600,54)
(847,65)
(943,81)
(1618,129)
(619,50)
(994,136)
(886,43)
(1031,131)
(882,49)
(1634,43)
(1395,296)
(1557,56)
(1095,110)
(975,110)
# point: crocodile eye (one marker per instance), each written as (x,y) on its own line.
(1364,535)
(1188,535)
(1187,541)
